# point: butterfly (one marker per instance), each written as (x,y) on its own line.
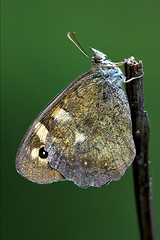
(84,134)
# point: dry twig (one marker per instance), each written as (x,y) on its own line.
(141,132)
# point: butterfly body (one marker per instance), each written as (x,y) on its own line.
(84,134)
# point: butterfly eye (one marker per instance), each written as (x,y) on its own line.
(43,153)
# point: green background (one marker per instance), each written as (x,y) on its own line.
(38,61)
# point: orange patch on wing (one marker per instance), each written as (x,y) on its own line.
(56,111)
(66,100)
(72,93)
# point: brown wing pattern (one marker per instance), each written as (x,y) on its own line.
(90,139)
(86,131)
(28,162)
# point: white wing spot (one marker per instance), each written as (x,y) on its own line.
(42,132)
(37,125)
(63,116)
(79,137)
(35,152)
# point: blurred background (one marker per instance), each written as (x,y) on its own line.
(38,61)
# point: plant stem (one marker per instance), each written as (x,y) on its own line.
(141,132)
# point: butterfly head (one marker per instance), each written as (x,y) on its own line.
(100,58)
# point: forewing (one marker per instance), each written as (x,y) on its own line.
(28,162)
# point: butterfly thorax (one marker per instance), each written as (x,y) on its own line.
(106,68)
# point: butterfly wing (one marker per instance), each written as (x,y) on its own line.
(28,162)
(86,132)
(90,140)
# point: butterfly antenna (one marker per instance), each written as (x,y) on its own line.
(76,43)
